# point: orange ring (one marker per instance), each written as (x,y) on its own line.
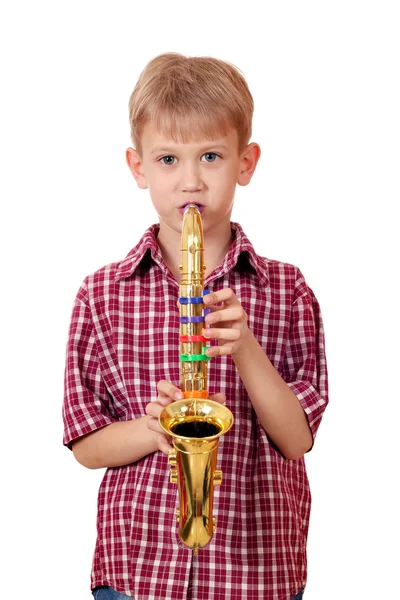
(195,394)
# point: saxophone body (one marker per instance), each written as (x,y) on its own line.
(194,423)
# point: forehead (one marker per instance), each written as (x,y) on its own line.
(155,138)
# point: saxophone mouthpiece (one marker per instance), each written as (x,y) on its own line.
(191,204)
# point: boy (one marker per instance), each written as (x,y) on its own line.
(191,125)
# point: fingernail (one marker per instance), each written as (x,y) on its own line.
(178,395)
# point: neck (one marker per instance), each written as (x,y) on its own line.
(216,246)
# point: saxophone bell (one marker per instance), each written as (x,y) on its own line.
(195,426)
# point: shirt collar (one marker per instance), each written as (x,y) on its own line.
(241,246)
(147,243)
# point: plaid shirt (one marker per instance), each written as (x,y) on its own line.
(123,338)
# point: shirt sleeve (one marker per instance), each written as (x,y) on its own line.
(305,368)
(86,401)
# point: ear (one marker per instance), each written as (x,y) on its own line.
(135,165)
(248,162)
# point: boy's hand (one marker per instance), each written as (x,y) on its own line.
(231,320)
(167,393)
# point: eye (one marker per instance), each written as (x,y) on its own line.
(168,160)
(210,156)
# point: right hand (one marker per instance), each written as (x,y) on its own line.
(167,393)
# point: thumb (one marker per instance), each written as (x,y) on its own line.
(220,397)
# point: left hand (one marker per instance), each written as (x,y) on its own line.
(230,319)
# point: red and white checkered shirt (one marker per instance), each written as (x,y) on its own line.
(124,338)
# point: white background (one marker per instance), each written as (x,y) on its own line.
(325,79)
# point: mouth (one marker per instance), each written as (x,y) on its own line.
(199,206)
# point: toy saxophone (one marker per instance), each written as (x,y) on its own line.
(194,423)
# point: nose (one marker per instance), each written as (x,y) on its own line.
(191,180)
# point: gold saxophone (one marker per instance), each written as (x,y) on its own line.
(194,423)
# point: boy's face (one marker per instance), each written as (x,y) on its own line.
(201,172)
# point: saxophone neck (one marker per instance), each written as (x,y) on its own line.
(192,249)
(193,344)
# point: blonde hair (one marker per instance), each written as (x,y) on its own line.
(191,98)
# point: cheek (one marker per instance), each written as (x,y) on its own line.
(224,184)
(156,183)
(161,193)
(161,179)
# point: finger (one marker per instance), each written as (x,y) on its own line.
(221,334)
(163,444)
(220,398)
(154,426)
(162,400)
(224,350)
(153,409)
(225,295)
(233,313)
(215,307)
(168,391)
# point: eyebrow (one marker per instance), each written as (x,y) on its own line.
(166,150)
